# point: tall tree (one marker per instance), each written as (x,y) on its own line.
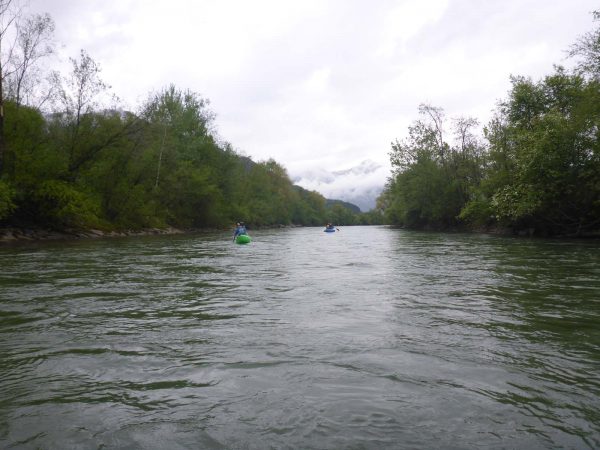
(435,123)
(463,130)
(8,16)
(34,41)
(432,179)
(179,119)
(79,99)
(80,90)
(587,49)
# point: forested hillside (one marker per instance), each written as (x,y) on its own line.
(535,171)
(71,157)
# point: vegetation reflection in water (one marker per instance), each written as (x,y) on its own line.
(366,338)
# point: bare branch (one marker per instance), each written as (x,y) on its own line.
(462,129)
(436,116)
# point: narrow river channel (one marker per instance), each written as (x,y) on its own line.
(367,338)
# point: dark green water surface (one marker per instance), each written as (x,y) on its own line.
(367,338)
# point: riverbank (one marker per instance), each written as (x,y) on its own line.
(31,234)
(499,230)
(13,234)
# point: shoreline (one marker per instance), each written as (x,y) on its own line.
(18,235)
(10,235)
(503,231)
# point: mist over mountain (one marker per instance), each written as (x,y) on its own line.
(360,184)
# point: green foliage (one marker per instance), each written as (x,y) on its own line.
(29,158)
(6,200)
(310,208)
(60,204)
(477,211)
(546,155)
(188,195)
(373,217)
(432,179)
(340,215)
(270,195)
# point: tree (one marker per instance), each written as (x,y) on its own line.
(34,42)
(545,155)
(269,194)
(79,98)
(432,180)
(6,200)
(179,119)
(435,127)
(8,15)
(78,93)
(22,74)
(463,130)
(587,49)
(425,140)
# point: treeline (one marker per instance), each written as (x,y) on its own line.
(69,161)
(536,170)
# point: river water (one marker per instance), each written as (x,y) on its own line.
(367,338)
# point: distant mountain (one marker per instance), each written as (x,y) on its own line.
(329,202)
(360,185)
(352,207)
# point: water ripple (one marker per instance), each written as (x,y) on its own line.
(368,338)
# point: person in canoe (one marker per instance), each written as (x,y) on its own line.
(330,227)
(240,229)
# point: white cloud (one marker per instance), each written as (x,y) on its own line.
(404,21)
(318,82)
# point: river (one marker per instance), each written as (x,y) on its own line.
(367,338)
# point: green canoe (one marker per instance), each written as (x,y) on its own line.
(242,239)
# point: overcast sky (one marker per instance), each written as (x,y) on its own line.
(321,84)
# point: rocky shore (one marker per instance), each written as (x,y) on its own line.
(15,235)
(8,235)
